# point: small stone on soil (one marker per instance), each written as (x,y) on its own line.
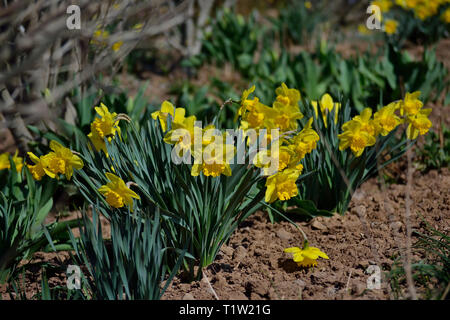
(228,251)
(188,296)
(240,253)
(283,234)
(318,226)
(358,288)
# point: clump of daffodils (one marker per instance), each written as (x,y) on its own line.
(307,256)
(283,114)
(422,9)
(427,17)
(60,160)
(363,130)
(211,154)
(294,145)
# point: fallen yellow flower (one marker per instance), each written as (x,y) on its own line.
(307,256)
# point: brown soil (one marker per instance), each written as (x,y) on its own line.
(56,266)
(253,265)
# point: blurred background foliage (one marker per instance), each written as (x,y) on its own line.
(199,53)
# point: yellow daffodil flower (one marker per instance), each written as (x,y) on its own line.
(116,46)
(214,169)
(37,170)
(5,164)
(285,116)
(386,120)
(305,141)
(257,115)
(407,4)
(362,29)
(355,137)
(327,105)
(18,161)
(167,109)
(209,135)
(366,121)
(415,116)
(446,16)
(61,160)
(423,9)
(116,192)
(287,96)
(182,133)
(384,5)
(244,102)
(4,161)
(282,185)
(53,165)
(307,256)
(286,159)
(104,127)
(426,10)
(411,105)
(212,166)
(286,109)
(107,125)
(390,26)
(214,156)
(100,37)
(418,124)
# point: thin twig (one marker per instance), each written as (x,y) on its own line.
(348,281)
(205,278)
(407,261)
